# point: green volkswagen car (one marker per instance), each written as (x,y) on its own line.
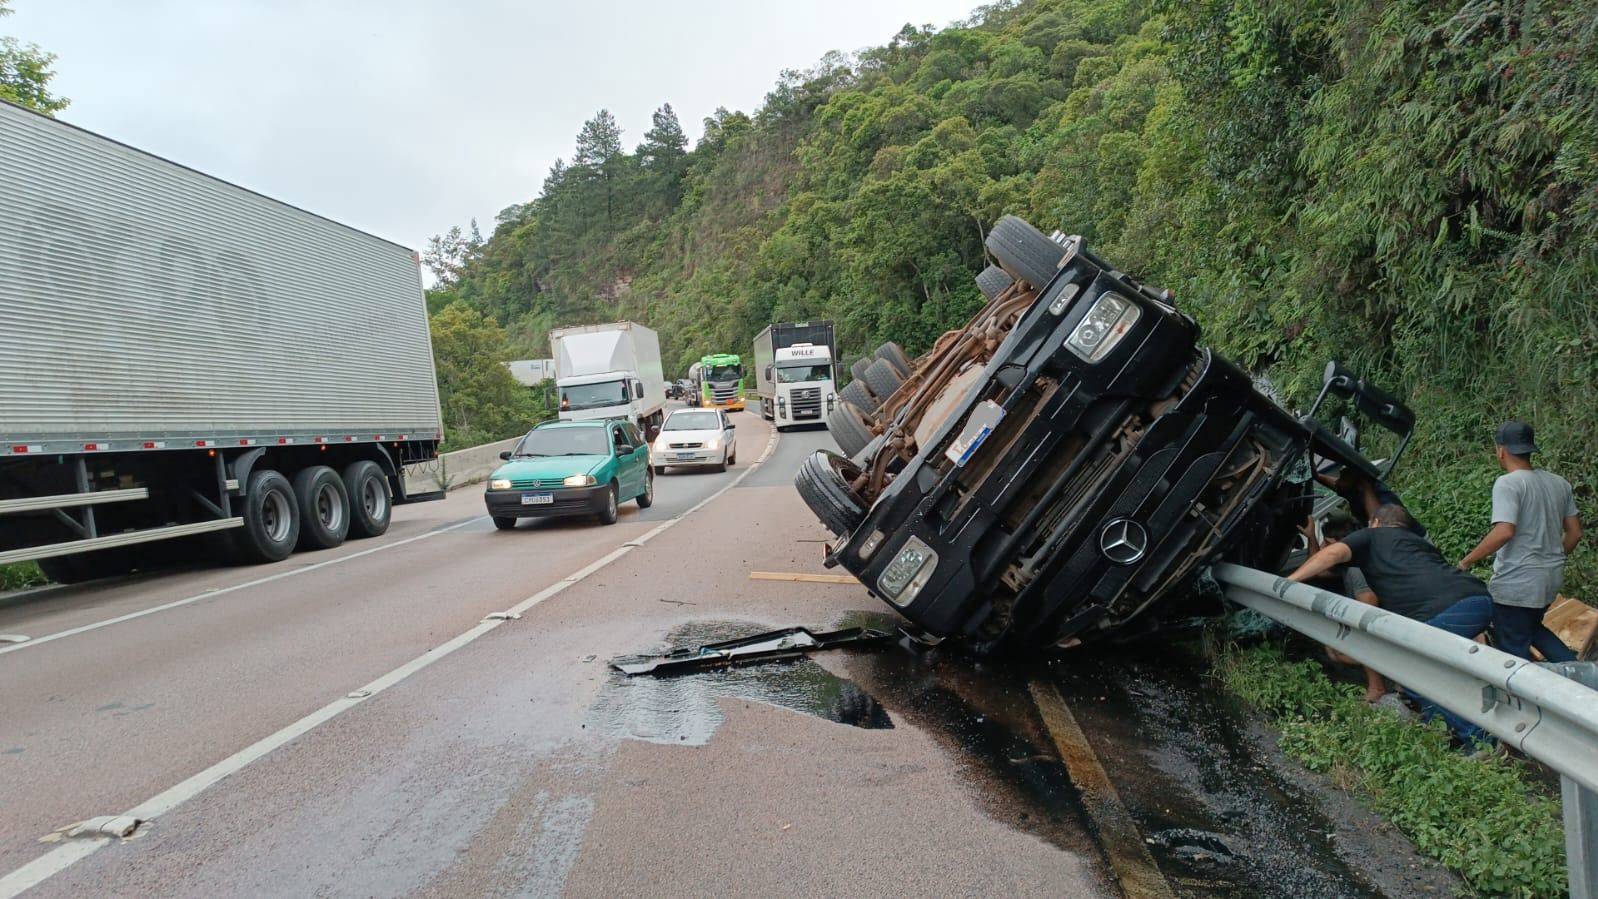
(564,468)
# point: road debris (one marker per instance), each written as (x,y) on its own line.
(789,643)
(803,577)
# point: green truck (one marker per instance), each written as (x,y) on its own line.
(719,382)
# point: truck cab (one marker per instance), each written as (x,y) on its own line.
(802,384)
(722,381)
(611,394)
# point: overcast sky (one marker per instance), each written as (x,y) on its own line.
(403,117)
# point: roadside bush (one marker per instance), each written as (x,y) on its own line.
(1483,819)
(20,575)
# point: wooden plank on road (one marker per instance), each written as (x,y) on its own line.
(803,577)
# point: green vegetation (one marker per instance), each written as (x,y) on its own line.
(1406,186)
(480,400)
(25,73)
(1481,818)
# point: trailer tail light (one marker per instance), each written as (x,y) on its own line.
(93,447)
(27,449)
(204,443)
(154,444)
(246,442)
(284,441)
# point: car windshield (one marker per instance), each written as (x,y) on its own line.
(692,421)
(792,374)
(564,442)
(726,373)
(593,396)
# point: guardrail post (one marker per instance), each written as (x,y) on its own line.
(1580,805)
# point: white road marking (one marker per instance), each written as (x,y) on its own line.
(65,856)
(215,592)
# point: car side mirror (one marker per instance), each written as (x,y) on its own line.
(504,456)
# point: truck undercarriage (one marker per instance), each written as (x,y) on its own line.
(1061,469)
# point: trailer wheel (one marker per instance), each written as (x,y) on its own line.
(857,369)
(371,505)
(856,393)
(993,281)
(324,507)
(823,483)
(271,518)
(883,379)
(1024,252)
(848,428)
(894,354)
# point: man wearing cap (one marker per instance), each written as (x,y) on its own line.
(1535,525)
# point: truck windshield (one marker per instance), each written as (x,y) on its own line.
(793,374)
(593,396)
(692,421)
(726,373)
(564,442)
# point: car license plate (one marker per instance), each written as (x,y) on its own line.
(538,499)
(683,457)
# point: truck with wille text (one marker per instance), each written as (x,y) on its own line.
(190,369)
(796,372)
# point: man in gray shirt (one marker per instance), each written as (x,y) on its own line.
(1535,524)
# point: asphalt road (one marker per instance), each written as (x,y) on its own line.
(343,724)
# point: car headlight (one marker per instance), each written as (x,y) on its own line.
(499,484)
(580,480)
(713,443)
(660,445)
(908,572)
(1111,316)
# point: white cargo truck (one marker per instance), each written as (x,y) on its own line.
(795,372)
(187,364)
(532,372)
(610,371)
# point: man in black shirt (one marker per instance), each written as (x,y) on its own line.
(1411,578)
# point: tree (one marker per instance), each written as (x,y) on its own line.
(25,74)
(663,157)
(598,152)
(448,254)
(480,400)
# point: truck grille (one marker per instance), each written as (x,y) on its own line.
(806,402)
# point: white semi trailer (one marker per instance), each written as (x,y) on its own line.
(795,372)
(187,364)
(610,371)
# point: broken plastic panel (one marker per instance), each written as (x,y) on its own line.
(789,643)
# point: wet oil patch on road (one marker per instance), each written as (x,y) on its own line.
(683,709)
(1217,817)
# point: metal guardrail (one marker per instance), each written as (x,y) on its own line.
(1548,712)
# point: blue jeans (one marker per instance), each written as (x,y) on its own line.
(1466,618)
(1518,629)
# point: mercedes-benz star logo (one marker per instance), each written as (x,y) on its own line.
(1124,541)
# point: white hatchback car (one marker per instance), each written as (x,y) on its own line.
(695,437)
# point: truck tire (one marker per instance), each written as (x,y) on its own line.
(993,281)
(857,370)
(1024,252)
(883,379)
(823,483)
(324,507)
(856,393)
(607,515)
(371,503)
(848,428)
(894,354)
(271,518)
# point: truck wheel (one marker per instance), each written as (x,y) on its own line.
(848,428)
(324,507)
(504,524)
(647,498)
(856,393)
(371,505)
(1024,252)
(894,355)
(607,515)
(823,483)
(883,378)
(858,368)
(993,281)
(271,518)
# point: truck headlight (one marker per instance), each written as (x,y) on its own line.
(1110,317)
(908,572)
(499,484)
(580,480)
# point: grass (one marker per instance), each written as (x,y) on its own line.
(1486,820)
(20,575)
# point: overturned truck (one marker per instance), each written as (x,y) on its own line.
(1060,470)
